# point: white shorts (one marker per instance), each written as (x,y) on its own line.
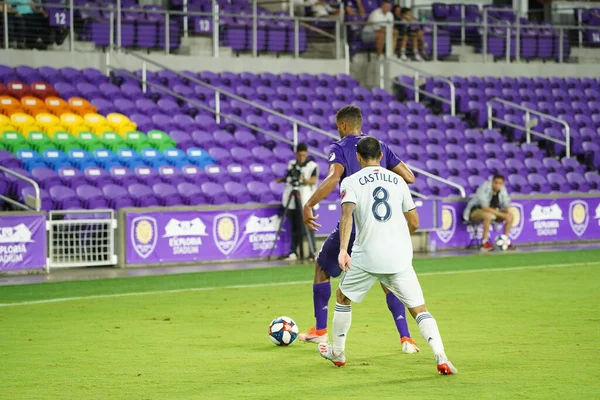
(405,285)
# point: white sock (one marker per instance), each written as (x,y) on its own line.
(342,319)
(430,332)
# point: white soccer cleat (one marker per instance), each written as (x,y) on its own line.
(403,57)
(314,336)
(418,57)
(326,351)
(409,346)
(446,368)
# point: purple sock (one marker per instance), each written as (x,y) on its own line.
(321,295)
(399,313)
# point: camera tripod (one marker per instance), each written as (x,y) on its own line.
(297,197)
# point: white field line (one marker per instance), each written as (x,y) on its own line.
(260,285)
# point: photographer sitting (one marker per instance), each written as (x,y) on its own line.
(301,178)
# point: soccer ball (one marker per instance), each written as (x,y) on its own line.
(502,242)
(283,331)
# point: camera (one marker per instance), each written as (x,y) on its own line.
(294,174)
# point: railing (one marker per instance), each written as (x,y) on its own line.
(63,16)
(211,22)
(530,123)
(460,188)
(31,203)
(295,122)
(418,82)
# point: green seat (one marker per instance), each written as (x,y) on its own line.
(39,140)
(89,141)
(13,140)
(65,141)
(136,137)
(158,138)
(46,146)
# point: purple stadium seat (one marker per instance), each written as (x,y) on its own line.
(64,198)
(558,182)
(260,192)
(194,174)
(539,183)
(117,197)
(91,197)
(577,182)
(191,194)
(167,195)
(215,193)
(171,175)
(237,192)
(519,183)
(147,175)
(142,195)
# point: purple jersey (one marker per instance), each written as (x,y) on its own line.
(344,152)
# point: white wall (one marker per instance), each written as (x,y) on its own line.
(59,59)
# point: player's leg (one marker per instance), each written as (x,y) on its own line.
(399,314)
(326,266)
(406,286)
(486,219)
(353,287)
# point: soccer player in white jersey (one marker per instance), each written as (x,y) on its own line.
(385,217)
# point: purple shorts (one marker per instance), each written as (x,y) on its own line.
(328,256)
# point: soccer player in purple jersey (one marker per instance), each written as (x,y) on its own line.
(343,163)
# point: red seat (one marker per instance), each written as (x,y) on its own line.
(18,89)
(43,90)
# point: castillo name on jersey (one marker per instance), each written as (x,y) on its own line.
(378,175)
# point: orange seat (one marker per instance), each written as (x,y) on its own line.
(81,106)
(33,105)
(9,104)
(56,105)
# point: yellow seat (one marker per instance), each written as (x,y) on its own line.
(93,119)
(4,120)
(53,129)
(47,119)
(71,119)
(100,129)
(22,119)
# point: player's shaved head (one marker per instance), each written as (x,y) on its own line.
(351,116)
(369,149)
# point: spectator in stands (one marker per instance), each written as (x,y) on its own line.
(404,16)
(374,31)
(490,204)
(302,175)
(354,7)
(16,27)
(33,25)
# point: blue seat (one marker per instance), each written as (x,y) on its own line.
(31,159)
(81,159)
(106,158)
(199,157)
(56,159)
(129,158)
(153,158)
(175,157)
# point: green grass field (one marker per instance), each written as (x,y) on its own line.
(522,326)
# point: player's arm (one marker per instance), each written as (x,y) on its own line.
(395,165)
(345,231)
(406,174)
(409,209)
(325,188)
(412,218)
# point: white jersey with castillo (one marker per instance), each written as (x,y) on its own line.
(383,244)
